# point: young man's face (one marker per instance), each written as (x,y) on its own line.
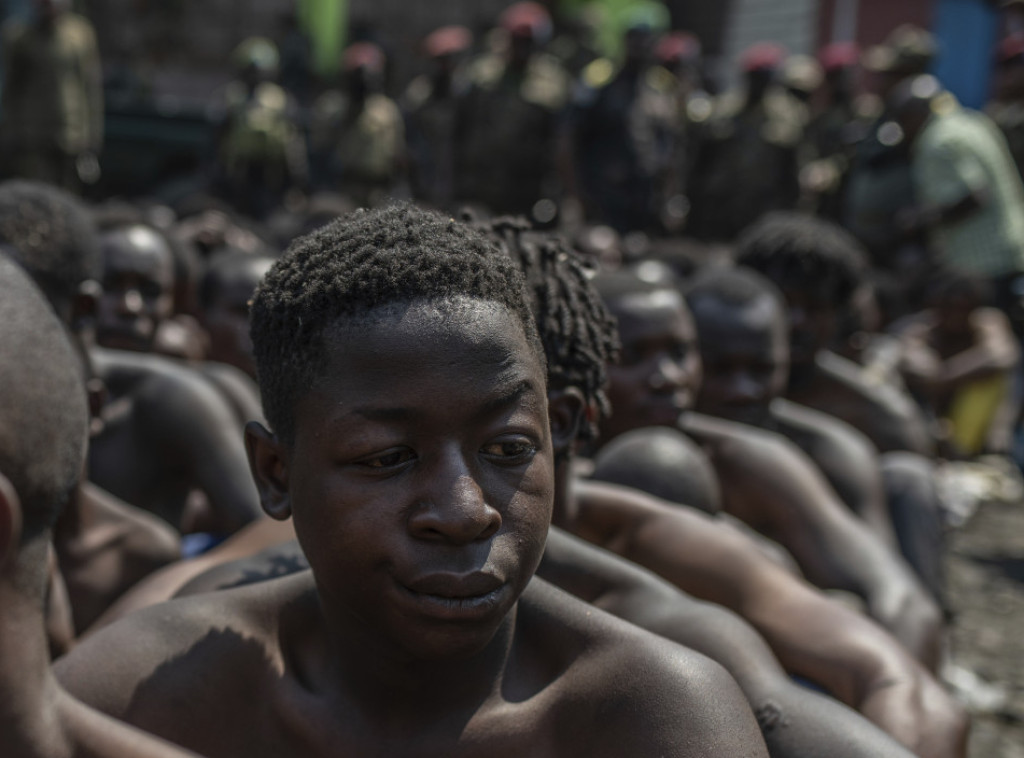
(421,477)
(138,286)
(745,354)
(813,323)
(226,319)
(659,371)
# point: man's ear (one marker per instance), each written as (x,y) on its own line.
(10,521)
(268,463)
(566,409)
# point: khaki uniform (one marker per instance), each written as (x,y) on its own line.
(506,132)
(625,129)
(262,153)
(747,163)
(51,116)
(360,145)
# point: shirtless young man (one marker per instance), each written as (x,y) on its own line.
(744,346)
(43,431)
(819,269)
(842,651)
(161,429)
(405,384)
(767,481)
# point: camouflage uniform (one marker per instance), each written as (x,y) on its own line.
(746,163)
(430,115)
(625,130)
(506,132)
(359,144)
(262,152)
(51,123)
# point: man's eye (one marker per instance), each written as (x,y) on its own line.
(387,460)
(511,451)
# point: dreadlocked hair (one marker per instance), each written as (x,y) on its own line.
(808,253)
(355,266)
(578,334)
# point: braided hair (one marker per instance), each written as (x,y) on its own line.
(577,332)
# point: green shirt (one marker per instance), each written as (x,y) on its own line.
(958,153)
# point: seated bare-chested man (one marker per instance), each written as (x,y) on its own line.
(402,375)
(960,356)
(766,481)
(744,346)
(843,652)
(43,432)
(103,544)
(819,269)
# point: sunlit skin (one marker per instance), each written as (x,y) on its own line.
(420,480)
(437,496)
(138,288)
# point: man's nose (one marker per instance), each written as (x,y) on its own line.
(453,507)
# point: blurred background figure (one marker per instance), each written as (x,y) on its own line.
(430,104)
(508,122)
(358,137)
(748,163)
(261,152)
(51,113)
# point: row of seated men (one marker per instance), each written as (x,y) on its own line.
(489,493)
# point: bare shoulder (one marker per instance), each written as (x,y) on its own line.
(159,667)
(625,691)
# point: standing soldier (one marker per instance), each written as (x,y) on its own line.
(430,104)
(880,183)
(625,126)
(358,136)
(261,152)
(840,121)
(51,116)
(748,162)
(508,122)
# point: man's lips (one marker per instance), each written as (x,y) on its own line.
(456,597)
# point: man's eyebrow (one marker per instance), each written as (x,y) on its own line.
(507,398)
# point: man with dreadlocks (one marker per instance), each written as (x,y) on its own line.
(411,445)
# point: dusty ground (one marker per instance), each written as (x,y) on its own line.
(985,576)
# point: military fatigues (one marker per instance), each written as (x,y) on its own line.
(52,112)
(358,146)
(625,127)
(506,132)
(430,117)
(262,152)
(747,164)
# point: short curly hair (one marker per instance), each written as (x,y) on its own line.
(578,334)
(811,254)
(50,234)
(354,265)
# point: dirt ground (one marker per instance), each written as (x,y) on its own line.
(985,575)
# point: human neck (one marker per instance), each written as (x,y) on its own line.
(28,690)
(397,689)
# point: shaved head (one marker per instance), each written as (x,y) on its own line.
(43,418)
